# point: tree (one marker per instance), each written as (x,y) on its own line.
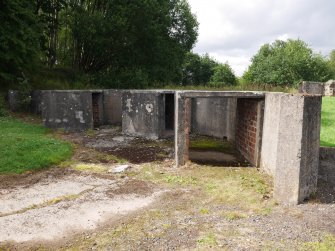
(223,75)
(286,63)
(197,69)
(331,63)
(48,12)
(19,39)
(117,37)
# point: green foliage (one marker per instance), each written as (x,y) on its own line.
(197,70)
(331,63)
(286,63)
(59,78)
(140,40)
(115,43)
(3,112)
(26,147)
(19,39)
(327,136)
(223,75)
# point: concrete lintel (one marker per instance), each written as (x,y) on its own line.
(151,91)
(223,94)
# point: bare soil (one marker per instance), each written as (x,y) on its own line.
(153,206)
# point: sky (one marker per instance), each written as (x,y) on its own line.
(234,30)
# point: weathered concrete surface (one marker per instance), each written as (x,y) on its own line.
(270,132)
(13,100)
(182,129)
(143,113)
(327,165)
(297,161)
(214,117)
(71,110)
(140,113)
(329,88)
(223,94)
(316,88)
(35,103)
(112,107)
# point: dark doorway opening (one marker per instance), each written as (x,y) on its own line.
(169,111)
(96,101)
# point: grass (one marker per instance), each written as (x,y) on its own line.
(327,137)
(327,244)
(25,147)
(204,143)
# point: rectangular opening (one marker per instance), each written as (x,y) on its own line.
(96,107)
(169,112)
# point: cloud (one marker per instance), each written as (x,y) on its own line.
(233,30)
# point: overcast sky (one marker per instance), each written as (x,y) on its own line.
(234,30)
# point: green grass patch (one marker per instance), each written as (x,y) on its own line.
(26,147)
(203,143)
(327,137)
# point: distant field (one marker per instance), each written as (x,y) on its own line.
(328,122)
(26,147)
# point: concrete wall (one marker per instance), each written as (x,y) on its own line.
(71,110)
(140,113)
(316,88)
(214,117)
(327,165)
(35,103)
(297,161)
(329,88)
(112,107)
(13,100)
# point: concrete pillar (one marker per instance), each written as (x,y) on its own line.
(268,159)
(296,170)
(182,129)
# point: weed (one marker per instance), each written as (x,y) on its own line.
(327,244)
(234,215)
(90,133)
(96,168)
(204,211)
(208,240)
(173,179)
(256,183)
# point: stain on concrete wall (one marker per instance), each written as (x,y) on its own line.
(140,114)
(71,110)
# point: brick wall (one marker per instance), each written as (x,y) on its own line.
(246,129)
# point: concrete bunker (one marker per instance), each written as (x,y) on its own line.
(148,113)
(286,142)
(75,110)
(234,117)
(277,132)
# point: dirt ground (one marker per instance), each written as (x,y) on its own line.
(83,205)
